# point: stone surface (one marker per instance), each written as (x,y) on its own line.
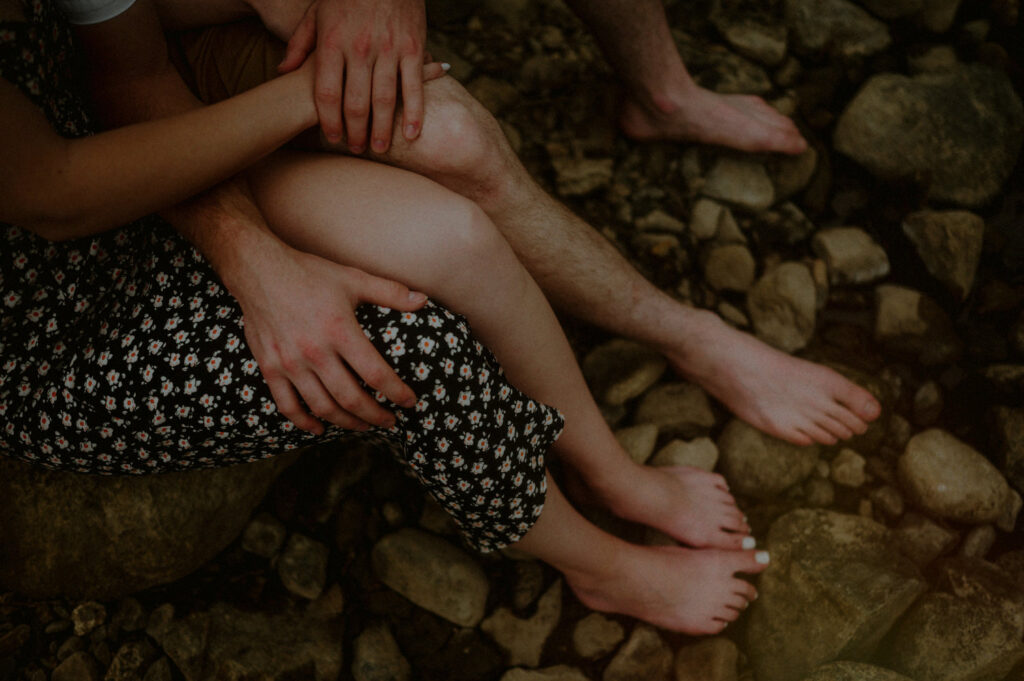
(936,58)
(912,324)
(847,469)
(224,642)
(595,636)
(730,268)
(851,255)
(740,182)
(118,535)
(713,659)
(678,409)
(765,43)
(660,221)
(523,639)
(835,575)
(79,666)
(620,370)
(944,637)
(949,242)
(581,176)
(894,9)
(644,656)
(928,403)
(130,661)
(922,539)
(949,479)
(303,566)
(699,453)
(1008,430)
(957,133)
(836,27)
(638,441)
(377,657)
(790,175)
(87,616)
(558,673)
(783,305)
(853,671)
(938,15)
(264,535)
(433,574)
(705,218)
(978,542)
(760,466)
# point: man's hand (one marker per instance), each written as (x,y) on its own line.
(364,48)
(301,327)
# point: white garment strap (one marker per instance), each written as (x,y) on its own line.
(83,12)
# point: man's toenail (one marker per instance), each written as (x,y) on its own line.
(762,557)
(749,543)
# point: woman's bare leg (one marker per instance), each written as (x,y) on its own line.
(402,226)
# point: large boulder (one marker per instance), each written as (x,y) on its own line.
(90,536)
(956,132)
(835,587)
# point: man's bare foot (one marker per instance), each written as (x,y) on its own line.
(784,396)
(688,504)
(743,122)
(693,591)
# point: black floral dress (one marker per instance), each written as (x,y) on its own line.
(124,354)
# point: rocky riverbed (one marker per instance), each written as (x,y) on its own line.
(891,250)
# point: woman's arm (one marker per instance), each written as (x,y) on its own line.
(64,188)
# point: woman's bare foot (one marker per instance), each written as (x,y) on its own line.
(742,122)
(693,591)
(784,396)
(688,504)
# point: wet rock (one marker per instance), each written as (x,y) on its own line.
(1008,429)
(922,539)
(78,666)
(783,305)
(87,616)
(741,183)
(832,574)
(791,174)
(595,636)
(558,673)
(713,659)
(853,671)
(303,566)
(949,242)
(910,323)
(835,27)
(847,469)
(644,656)
(944,637)
(660,221)
(699,453)
(225,642)
(523,639)
(760,466)
(619,370)
(581,176)
(638,441)
(433,574)
(851,255)
(130,660)
(678,409)
(960,152)
(730,268)
(376,656)
(705,218)
(264,535)
(949,479)
(118,535)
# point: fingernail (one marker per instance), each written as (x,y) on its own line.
(749,543)
(356,148)
(410,130)
(417,297)
(762,557)
(446,67)
(379,146)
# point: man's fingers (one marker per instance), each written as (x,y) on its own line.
(300,44)
(385,92)
(288,404)
(348,395)
(412,97)
(330,65)
(324,405)
(364,359)
(434,70)
(357,104)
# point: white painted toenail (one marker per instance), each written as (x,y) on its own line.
(762,557)
(749,543)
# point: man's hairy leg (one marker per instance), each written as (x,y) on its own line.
(463,148)
(663,101)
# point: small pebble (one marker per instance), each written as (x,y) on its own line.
(87,617)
